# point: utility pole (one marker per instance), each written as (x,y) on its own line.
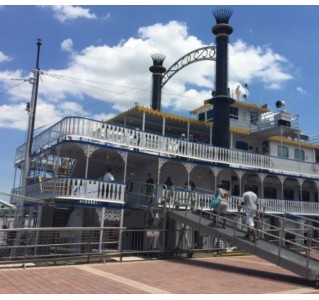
(31,108)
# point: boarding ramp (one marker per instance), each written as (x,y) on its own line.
(287,240)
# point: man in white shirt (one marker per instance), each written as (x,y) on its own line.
(108,177)
(250,203)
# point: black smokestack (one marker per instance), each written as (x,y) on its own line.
(221,100)
(158,70)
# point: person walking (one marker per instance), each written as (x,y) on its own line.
(220,205)
(250,204)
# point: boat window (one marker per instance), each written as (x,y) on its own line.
(253,117)
(288,194)
(305,196)
(299,154)
(265,148)
(233,112)
(270,192)
(201,117)
(210,115)
(241,145)
(283,151)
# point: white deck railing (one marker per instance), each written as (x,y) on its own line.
(84,190)
(95,192)
(201,201)
(87,130)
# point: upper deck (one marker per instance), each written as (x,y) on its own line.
(102,134)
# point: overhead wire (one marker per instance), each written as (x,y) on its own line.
(80,81)
(11,88)
(63,77)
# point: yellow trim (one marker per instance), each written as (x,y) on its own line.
(205,107)
(200,109)
(162,114)
(219,25)
(171,116)
(222,34)
(251,105)
(240,131)
(285,140)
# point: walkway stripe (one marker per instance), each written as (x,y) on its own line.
(124,280)
(298,291)
(250,261)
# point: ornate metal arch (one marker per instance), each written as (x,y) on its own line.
(204,53)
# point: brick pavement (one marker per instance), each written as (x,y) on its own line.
(210,275)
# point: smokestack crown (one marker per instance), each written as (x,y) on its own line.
(158,59)
(222,15)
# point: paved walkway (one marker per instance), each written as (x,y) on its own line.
(212,275)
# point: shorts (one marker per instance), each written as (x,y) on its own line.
(250,220)
(222,207)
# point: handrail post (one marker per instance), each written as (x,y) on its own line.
(308,252)
(281,237)
(164,225)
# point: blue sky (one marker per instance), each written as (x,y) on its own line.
(102,55)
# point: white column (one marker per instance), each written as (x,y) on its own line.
(163,127)
(231,140)
(282,179)
(87,162)
(101,231)
(300,181)
(262,178)
(143,124)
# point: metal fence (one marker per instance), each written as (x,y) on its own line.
(52,245)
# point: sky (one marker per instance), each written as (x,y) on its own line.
(95,60)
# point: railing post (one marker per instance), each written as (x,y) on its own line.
(164,226)
(308,252)
(281,238)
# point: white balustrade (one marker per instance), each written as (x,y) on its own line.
(73,188)
(87,130)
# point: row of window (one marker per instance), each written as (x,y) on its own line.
(283,151)
(289,194)
(233,114)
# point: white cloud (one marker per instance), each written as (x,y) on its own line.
(301,90)
(66,13)
(103,117)
(250,64)
(107,16)
(13,116)
(99,77)
(4,58)
(67,45)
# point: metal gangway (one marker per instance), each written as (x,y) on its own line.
(287,240)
